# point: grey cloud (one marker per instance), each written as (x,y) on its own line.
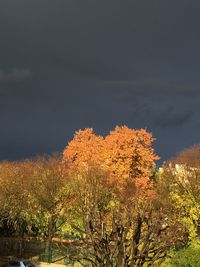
(152,87)
(15,75)
(172,117)
(158,110)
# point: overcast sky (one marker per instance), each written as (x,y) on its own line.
(71,64)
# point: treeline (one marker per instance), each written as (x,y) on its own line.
(108,192)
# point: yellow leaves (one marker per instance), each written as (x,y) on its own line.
(189,211)
(190,226)
(183,184)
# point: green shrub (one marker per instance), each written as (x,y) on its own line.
(186,257)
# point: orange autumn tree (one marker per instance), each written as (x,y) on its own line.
(121,224)
(125,153)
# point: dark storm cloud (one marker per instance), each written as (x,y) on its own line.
(160,112)
(171,117)
(15,75)
(163,104)
(104,39)
(154,86)
(70,64)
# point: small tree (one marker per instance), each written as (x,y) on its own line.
(14,184)
(180,177)
(182,174)
(50,196)
(34,197)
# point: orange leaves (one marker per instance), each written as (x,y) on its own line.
(86,148)
(125,153)
(130,152)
